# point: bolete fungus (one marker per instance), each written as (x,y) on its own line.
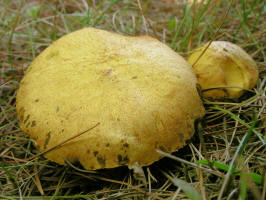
(224,66)
(141,92)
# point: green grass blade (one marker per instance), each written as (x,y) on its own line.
(60,187)
(10,39)
(254,177)
(181,24)
(10,176)
(31,40)
(233,116)
(87,19)
(237,154)
(243,187)
(191,192)
(99,18)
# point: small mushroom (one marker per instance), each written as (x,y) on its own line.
(224,68)
(142,93)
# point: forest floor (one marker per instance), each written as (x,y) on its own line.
(220,163)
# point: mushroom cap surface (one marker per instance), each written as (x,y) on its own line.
(141,92)
(224,65)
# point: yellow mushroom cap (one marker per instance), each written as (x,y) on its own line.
(224,65)
(141,92)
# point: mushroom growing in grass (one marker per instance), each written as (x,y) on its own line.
(224,70)
(142,94)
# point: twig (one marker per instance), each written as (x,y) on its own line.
(189,163)
(216,33)
(62,143)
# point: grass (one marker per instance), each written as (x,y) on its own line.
(225,160)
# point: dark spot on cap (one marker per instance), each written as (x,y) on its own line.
(88,151)
(21,114)
(134,77)
(119,157)
(162,148)
(122,160)
(57,108)
(28,69)
(22,109)
(181,137)
(108,72)
(95,153)
(48,137)
(27,125)
(118,119)
(101,161)
(126,145)
(27,118)
(36,100)
(52,54)
(156,144)
(107,145)
(33,123)
(225,49)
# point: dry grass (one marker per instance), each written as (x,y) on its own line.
(27,27)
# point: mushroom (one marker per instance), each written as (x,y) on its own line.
(142,93)
(224,70)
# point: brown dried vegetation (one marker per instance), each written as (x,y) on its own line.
(27,27)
